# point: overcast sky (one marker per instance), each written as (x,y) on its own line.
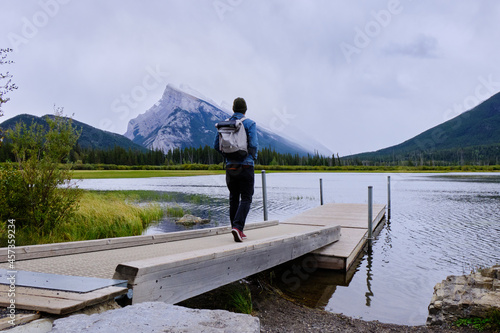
(354,75)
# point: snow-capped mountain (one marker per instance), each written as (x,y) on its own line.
(181,119)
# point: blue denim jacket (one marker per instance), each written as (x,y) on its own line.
(253,142)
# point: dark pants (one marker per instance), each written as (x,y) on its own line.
(240,182)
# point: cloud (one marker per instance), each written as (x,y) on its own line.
(422,46)
(279,55)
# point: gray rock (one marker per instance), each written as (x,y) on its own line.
(191,219)
(158,317)
(474,295)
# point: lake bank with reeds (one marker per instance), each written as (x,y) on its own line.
(100,214)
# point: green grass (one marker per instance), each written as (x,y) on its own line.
(368,169)
(115,173)
(198,199)
(100,215)
(234,297)
(101,174)
(175,211)
(137,195)
(240,300)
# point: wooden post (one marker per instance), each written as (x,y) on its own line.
(321,191)
(264,194)
(370,211)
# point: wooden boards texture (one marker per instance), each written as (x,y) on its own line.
(68,248)
(353,219)
(172,270)
(57,302)
(178,277)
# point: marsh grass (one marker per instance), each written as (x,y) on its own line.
(141,195)
(240,299)
(99,215)
(175,211)
(198,199)
(234,297)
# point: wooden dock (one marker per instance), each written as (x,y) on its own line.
(178,277)
(172,267)
(353,219)
(169,267)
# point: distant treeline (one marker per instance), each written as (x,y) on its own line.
(266,156)
(189,155)
(480,155)
(475,155)
(117,155)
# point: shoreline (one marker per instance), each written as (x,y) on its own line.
(276,313)
(279,314)
(130,172)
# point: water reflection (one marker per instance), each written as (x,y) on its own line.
(302,280)
(369,259)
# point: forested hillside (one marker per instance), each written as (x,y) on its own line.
(472,138)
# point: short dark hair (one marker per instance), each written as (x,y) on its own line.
(239,105)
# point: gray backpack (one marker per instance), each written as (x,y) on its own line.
(233,139)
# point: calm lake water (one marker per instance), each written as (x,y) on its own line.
(441,224)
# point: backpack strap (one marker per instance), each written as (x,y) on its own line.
(242,118)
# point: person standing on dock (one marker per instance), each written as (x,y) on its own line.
(239,165)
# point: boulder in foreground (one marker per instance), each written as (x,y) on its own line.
(474,295)
(158,317)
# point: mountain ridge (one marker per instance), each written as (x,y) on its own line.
(180,119)
(91,137)
(477,127)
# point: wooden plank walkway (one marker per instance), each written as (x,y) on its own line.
(353,218)
(269,241)
(58,302)
(181,276)
(60,249)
